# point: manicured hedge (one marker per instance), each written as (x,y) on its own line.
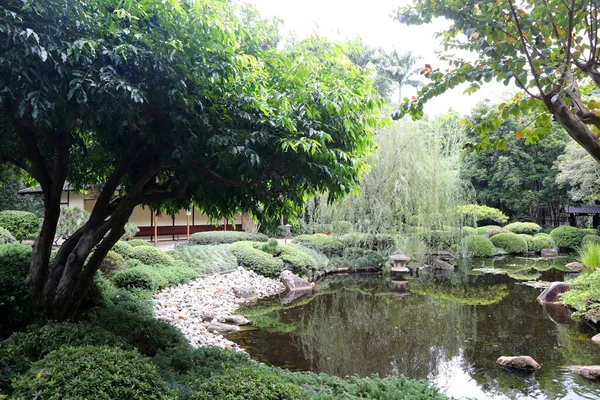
(141,277)
(6,237)
(299,262)
(321,243)
(479,245)
(589,231)
(528,228)
(468,231)
(256,260)
(139,242)
(567,237)
(206,259)
(21,224)
(529,240)
(151,256)
(91,372)
(112,263)
(542,241)
(510,242)
(221,237)
(495,231)
(123,248)
(483,230)
(590,239)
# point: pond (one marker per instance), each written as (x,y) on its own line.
(449,329)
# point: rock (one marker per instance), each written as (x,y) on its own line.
(591,372)
(524,363)
(574,266)
(290,296)
(207,317)
(442,265)
(596,338)
(242,292)
(550,294)
(236,319)
(558,314)
(293,282)
(550,253)
(223,329)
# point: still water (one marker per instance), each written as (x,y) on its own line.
(449,329)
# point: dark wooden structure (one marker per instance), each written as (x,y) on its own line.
(572,211)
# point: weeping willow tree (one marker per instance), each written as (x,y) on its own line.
(413,181)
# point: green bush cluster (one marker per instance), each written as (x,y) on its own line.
(589,231)
(474,213)
(468,231)
(542,241)
(153,277)
(495,231)
(256,260)
(374,242)
(483,230)
(321,243)
(226,237)
(590,239)
(528,228)
(510,242)
(21,224)
(342,227)
(528,239)
(123,248)
(479,245)
(360,259)
(112,263)
(589,255)
(151,255)
(567,237)
(6,237)
(584,295)
(299,262)
(302,228)
(139,242)
(96,372)
(320,259)
(131,230)
(438,240)
(206,259)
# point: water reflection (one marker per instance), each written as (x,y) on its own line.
(449,329)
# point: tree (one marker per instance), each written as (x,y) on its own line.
(11,182)
(172,103)
(580,174)
(521,180)
(366,56)
(547,48)
(399,69)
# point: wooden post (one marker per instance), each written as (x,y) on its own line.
(188,227)
(155,231)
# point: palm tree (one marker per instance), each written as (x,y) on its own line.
(399,69)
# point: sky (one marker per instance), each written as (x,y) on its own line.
(371,20)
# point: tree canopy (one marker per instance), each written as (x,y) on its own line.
(170,102)
(547,48)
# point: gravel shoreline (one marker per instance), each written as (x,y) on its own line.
(193,306)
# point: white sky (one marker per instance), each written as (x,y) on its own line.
(371,20)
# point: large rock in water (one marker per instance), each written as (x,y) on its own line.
(442,265)
(550,294)
(591,372)
(223,329)
(236,320)
(550,253)
(524,363)
(293,282)
(575,266)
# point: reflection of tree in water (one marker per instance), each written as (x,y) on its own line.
(357,333)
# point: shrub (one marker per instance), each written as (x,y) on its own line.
(474,213)
(151,256)
(342,227)
(258,261)
(374,242)
(91,372)
(590,239)
(438,240)
(6,237)
(360,259)
(510,242)
(584,295)
(483,230)
(97,294)
(123,248)
(271,247)
(321,260)
(495,231)
(16,307)
(128,301)
(178,272)
(468,231)
(282,231)
(567,237)
(220,237)
(141,277)
(542,241)
(301,228)
(69,221)
(589,231)
(528,228)
(321,243)
(206,259)
(589,255)
(479,245)
(316,227)
(250,383)
(131,230)
(139,242)
(21,224)
(296,260)
(112,263)
(528,239)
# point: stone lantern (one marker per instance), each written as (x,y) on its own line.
(398,262)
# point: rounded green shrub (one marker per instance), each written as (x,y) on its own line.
(342,227)
(589,231)
(567,237)
(256,260)
(126,300)
(131,230)
(528,239)
(542,241)
(590,239)
(510,242)
(139,242)
(226,237)
(296,260)
(91,372)
(321,243)
(468,231)
(112,263)
(123,248)
(528,228)
(6,237)
(140,277)
(483,230)
(479,245)
(495,231)
(151,256)
(21,224)
(178,272)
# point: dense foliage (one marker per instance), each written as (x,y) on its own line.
(567,237)
(481,215)
(71,219)
(256,260)
(205,238)
(206,259)
(123,248)
(321,243)
(528,228)
(113,262)
(510,242)
(6,237)
(151,255)
(542,241)
(479,245)
(584,295)
(21,224)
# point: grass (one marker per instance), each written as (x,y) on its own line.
(589,255)
(207,259)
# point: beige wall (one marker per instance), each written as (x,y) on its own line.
(141,216)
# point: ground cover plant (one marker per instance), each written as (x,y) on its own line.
(206,259)
(205,238)
(589,255)
(584,295)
